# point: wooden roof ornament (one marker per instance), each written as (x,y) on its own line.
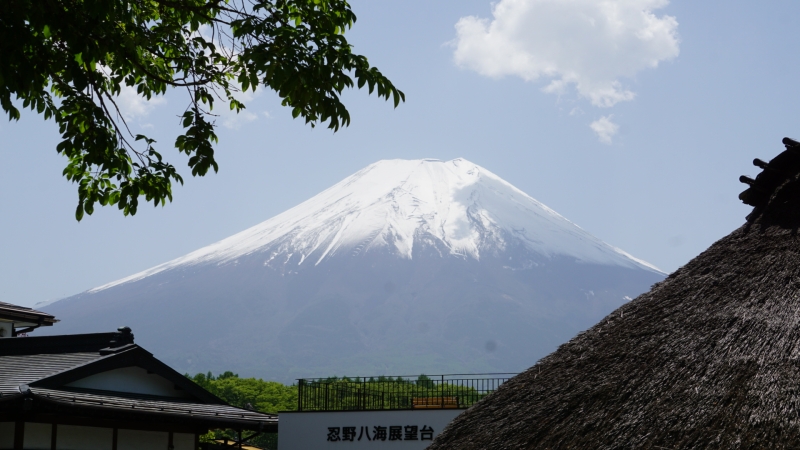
(708,358)
(774,173)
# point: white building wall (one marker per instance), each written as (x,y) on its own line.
(6,435)
(183,441)
(37,436)
(142,440)
(134,380)
(72,437)
(6,329)
(311,430)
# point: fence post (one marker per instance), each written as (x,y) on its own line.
(441,392)
(300,394)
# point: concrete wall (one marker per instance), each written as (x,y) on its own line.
(362,429)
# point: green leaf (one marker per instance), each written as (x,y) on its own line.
(69,61)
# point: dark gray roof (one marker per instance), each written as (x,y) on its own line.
(108,403)
(18,313)
(39,368)
(72,343)
(27,369)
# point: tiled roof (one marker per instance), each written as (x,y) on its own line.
(143,404)
(26,369)
(36,369)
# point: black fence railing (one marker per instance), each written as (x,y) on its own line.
(455,391)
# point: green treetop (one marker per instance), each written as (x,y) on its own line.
(69,59)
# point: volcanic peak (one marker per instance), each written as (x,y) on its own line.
(391,204)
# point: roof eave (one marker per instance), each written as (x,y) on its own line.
(268,425)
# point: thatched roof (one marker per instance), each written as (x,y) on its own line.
(709,358)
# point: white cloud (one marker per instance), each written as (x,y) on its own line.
(133,106)
(604,128)
(576,111)
(231,119)
(590,44)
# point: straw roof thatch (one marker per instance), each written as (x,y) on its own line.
(709,358)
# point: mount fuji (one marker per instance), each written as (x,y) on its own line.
(404,267)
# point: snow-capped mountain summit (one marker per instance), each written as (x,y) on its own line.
(455,206)
(405,266)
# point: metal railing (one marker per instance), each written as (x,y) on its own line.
(403,392)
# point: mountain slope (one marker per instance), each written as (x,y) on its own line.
(405,266)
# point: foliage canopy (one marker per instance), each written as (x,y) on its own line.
(249,393)
(69,60)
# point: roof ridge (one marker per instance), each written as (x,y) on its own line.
(69,343)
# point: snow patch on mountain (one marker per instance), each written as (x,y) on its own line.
(391,204)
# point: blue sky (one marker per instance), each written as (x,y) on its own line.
(676,120)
